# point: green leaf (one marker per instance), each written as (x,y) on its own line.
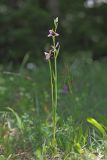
(97,125)
(19,121)
(79,148)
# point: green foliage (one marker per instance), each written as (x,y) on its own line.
(26,129)
(22,30)
(5,158)
(24,25)
(84,27)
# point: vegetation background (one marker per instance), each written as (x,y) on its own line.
(26,127)
(24,25)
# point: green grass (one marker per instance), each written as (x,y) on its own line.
(26,128)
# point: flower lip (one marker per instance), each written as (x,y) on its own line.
(52,33)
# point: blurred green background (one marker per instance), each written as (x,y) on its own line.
(24,25)
(25,78)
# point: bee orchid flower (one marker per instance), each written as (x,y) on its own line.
(52,33)
(48,55)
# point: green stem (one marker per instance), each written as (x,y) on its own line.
(55,93)
(51,76)
(55,106)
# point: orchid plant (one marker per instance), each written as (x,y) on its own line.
(50,56)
